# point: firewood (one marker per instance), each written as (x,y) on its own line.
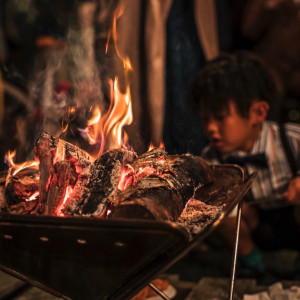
(102,186)
(49,150)
(163,195)
(44,152)
(18,191)
(159,203)
(59,182)
(67,151)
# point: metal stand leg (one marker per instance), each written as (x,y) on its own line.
(234,257)
(158,291)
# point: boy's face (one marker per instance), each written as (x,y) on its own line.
(228,130)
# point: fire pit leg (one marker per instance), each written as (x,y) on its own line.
(234,257)
(158,291)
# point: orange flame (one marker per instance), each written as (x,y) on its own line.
(15,168)
(107,130)
(151,147)
(113,31)
(161,145)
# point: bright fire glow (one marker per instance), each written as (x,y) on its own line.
(15,168)
(162,145)
(151,147)
(59,208)
(33,196)
(60,152)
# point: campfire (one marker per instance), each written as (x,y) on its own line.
(66,181)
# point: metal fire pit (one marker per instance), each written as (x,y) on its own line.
(85,258)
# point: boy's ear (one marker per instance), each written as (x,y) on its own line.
(259,111)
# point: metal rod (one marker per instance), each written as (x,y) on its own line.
(158,291)
(234,257)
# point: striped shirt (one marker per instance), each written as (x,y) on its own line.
(270,183)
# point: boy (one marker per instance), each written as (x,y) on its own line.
(233,94)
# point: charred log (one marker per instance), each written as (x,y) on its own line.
(44,152)
(165,194)
(48,149)
(66,150)
(102,186)
(159,203)
(19,188)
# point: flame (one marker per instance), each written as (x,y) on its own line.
(151,147)
(162,145)
(107,130)
(96,117)
(113,31)
(15,168)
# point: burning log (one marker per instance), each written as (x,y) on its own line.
(48,150)
(60,179)
(163,196)
(101,188)
(44,152)
(72,183)
(120,184)
(21,190)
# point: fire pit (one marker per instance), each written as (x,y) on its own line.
(77,257)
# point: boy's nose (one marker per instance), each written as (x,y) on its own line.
(211,126)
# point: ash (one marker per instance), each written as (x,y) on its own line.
(198,215)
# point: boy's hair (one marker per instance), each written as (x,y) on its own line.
(241,77)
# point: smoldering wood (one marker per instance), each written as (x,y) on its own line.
(214,199)
(164,196)
(150,158)
(47,148)
(70,151)
(19,187)
(102,186)
(80,189)
(60,178)
(21,207)
(44,151)
(159,203)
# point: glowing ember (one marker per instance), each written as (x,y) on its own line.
(126,177)
(33,196)
(69,191)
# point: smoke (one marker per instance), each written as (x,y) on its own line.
(66,75)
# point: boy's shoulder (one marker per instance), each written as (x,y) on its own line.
(290,129)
